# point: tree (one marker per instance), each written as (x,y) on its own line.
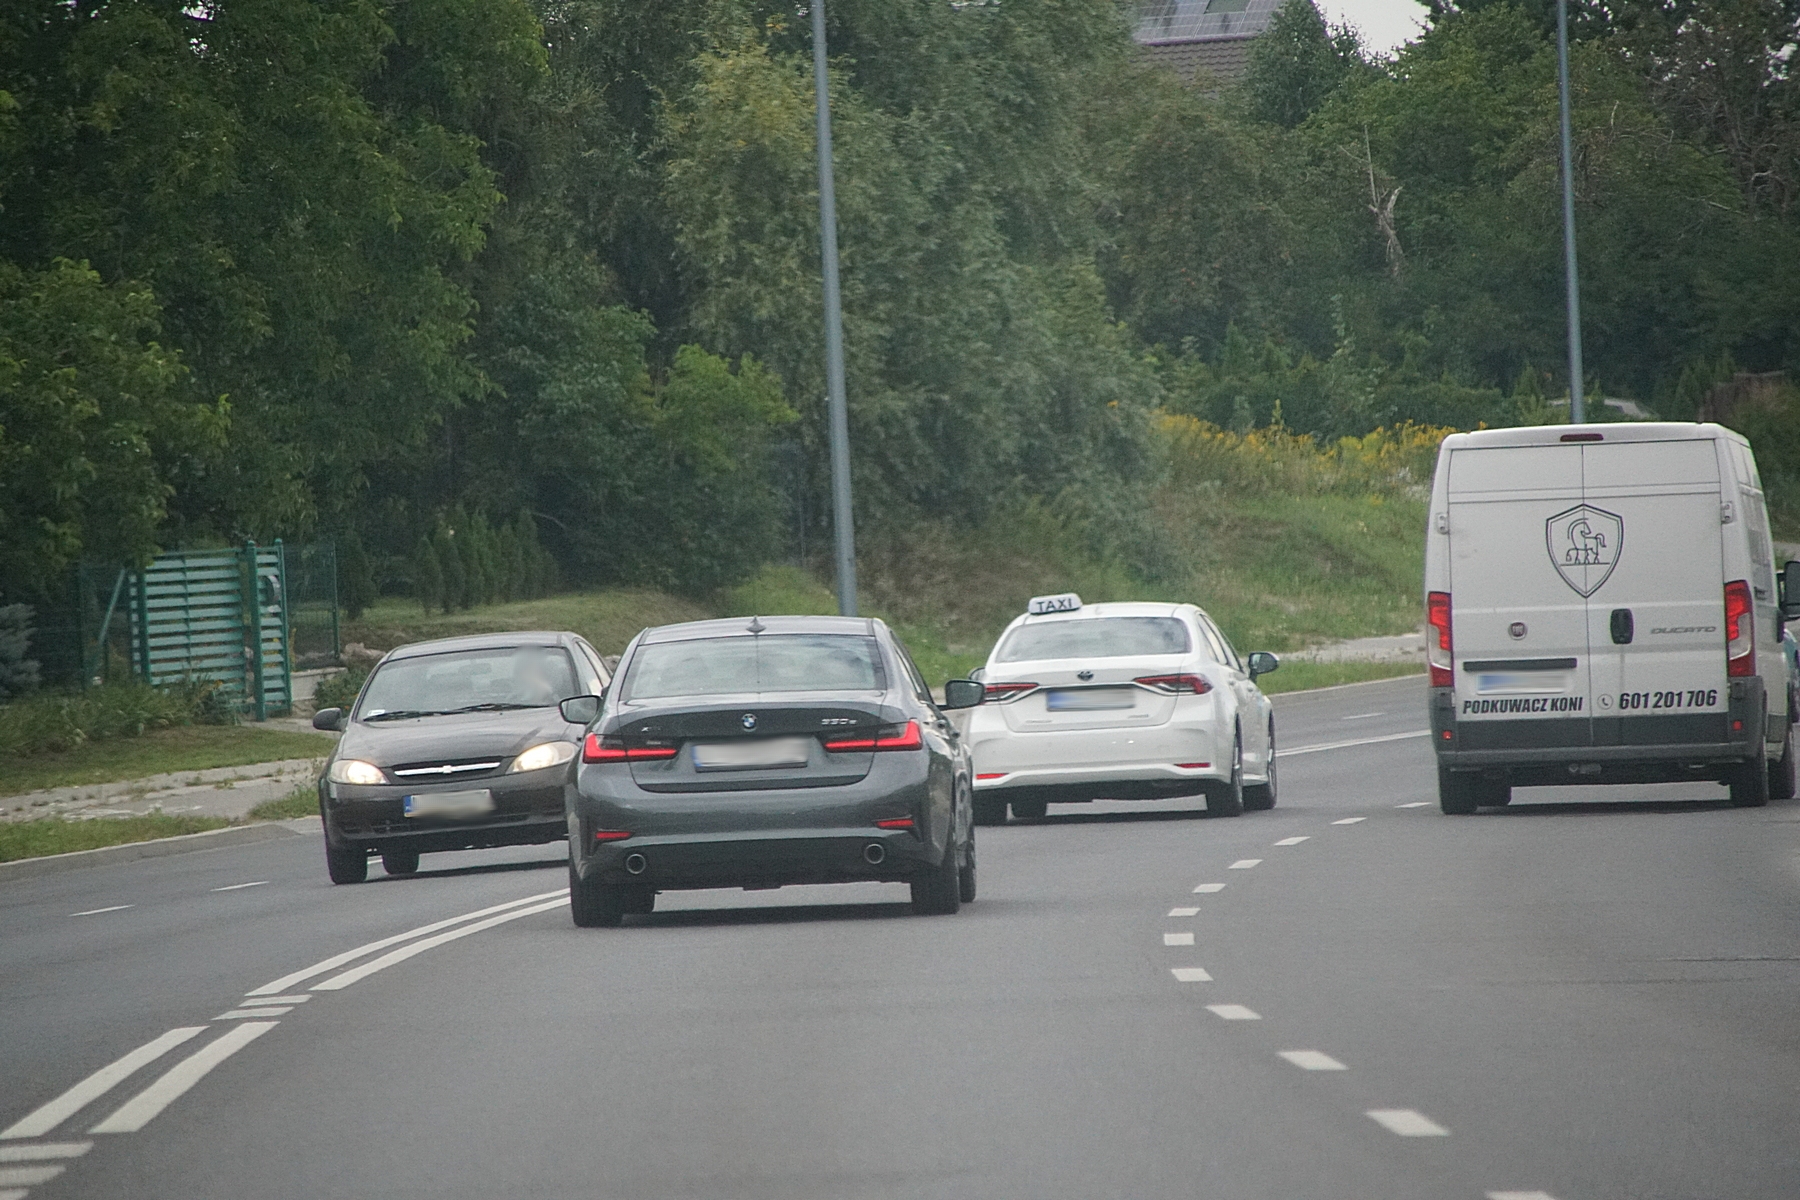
(1296,62)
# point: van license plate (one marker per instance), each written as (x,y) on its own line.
(752,754)
(452,805)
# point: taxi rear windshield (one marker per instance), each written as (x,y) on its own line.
(1099,637)
(809,662)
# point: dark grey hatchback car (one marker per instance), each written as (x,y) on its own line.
(763,752)
(455,744)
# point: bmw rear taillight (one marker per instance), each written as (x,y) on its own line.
(1175,685)
(888,737)
(1001,693)
(1740,629)
(598,750)
(1438,648)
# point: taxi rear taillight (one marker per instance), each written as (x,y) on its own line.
(1002,693)
(1438,646)
(888,737)
(597,749)
(1175,685)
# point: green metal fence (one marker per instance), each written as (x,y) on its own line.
(219,615)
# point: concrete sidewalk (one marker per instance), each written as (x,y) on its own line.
(229,792)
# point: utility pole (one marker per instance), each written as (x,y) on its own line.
(842,517)
(1577,406)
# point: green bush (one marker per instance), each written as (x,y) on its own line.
(339,691)
(61,721)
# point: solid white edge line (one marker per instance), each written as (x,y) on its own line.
(238,887)
(94,912)
(387,960)
(1406,1123)
(1520,1196)
(1312,1060)
(1368,741)
(14,1176)
(49,1116)
(302,998)
(338,960)
(172,1084)
(1415,804)
(17,1154)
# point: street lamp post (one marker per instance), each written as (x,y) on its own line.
(1577,407)
(842,518)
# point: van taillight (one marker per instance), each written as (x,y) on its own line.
(1740,629)
(1438,650)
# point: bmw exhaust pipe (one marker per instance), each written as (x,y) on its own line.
(874,854)
(635,864)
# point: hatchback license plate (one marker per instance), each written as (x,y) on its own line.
(752,754)
(454,805)
(1090,700)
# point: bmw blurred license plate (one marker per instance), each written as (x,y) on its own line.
(453,805)
(752,754)
(1090,700)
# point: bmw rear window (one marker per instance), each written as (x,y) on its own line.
(788,662)
(1095,637)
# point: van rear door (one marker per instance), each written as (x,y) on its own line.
(1520,630)
(1656,615)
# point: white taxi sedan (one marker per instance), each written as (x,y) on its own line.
(1120,702)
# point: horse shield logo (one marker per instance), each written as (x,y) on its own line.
(1584,544)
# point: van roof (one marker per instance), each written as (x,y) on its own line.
(1622,431)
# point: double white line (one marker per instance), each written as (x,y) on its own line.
(142,1108)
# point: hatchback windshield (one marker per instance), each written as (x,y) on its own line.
(504,677)
(765,663)
(1099,637)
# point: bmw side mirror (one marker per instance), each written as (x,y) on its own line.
(1790,590)
(580,710)
(963,693)
(331,720)
(1262,663)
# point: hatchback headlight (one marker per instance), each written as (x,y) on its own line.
(352,770)
(545,754)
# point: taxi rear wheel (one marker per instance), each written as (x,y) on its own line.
(1227,799)
(988,811)
(1029,808)
(1260,797)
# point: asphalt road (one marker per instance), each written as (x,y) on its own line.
(1588,996)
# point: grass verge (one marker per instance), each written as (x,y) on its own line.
(158,752)
(52,835)
(303,801)
(1300,676)
(607,618)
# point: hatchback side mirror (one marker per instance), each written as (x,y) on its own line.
(331,720)
(1262,663)
(580,710)
(963,693)
(1790,590)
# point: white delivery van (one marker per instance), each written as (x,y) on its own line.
(1602,607)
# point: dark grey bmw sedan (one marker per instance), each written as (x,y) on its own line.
(768,751)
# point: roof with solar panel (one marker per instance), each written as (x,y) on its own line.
(1194,36)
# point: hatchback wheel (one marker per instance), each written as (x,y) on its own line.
(349,864)
(400,862)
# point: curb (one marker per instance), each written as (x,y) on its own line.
(187,843)
(1338,687)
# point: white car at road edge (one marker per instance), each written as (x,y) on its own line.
(1121,701)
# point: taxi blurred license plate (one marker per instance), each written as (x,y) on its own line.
(752,754)
(1090,700)
(451,804)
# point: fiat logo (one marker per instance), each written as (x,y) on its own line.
(748,720)
(1517,630)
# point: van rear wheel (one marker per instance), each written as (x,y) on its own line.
(1781,771)
(1458,792)
(1749,783)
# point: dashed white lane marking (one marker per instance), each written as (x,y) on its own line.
(1415,804)
(49,1116)
(1293,841)
(1368,741)
(301,999)
(142,1108)
(1184,912)
(1190,975)
(1232,1012)
(26,1176)
(1207,888)
(338,960)
(1350,821)
(1362,716)
(238,887)
(405,952)
(1520,1196)
(1312,1060)
(1178,939)
(1407,1123)
(93,912)
(43,1150)
(267,1010)
(12,1194)
(1244,864)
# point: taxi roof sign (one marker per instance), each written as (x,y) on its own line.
(1063,602)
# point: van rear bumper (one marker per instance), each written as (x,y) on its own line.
(1642,748)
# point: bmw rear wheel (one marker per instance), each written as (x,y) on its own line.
(938,892)
(593,905)
(965,875)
